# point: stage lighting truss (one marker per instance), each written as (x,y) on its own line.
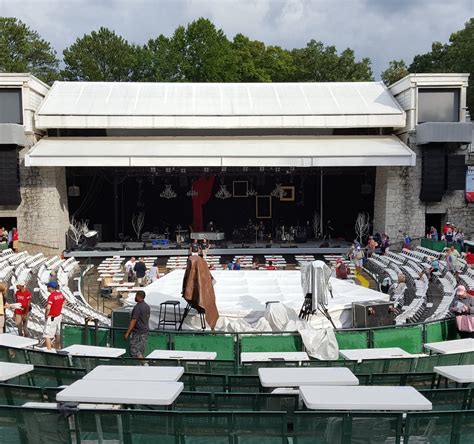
(192,193)
(277,191)
(223,193)
(168,193)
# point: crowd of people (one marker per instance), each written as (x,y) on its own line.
(138,272)
(450,234)
(9,239)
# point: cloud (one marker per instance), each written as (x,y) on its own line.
(380,29)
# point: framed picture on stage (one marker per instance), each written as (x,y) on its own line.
(263,207)
(240,188)
(288,194)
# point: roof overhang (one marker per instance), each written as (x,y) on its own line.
(219,152)
(129,105)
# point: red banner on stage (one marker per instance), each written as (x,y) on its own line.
(203,188)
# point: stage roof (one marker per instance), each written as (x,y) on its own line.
(219,105)
(314,151)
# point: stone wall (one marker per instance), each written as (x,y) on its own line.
(43,216)
(398,209)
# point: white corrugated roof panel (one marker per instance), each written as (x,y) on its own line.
(187,102)
(222,151)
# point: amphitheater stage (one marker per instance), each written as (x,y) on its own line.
(108,249)
(241,298)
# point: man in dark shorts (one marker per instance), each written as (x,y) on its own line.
(138,328)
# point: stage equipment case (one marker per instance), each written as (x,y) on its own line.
(372,314)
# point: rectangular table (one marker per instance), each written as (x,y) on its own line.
(135,373)
(10,370)
(363,398)
(15,341)
(448,347)
(360,354)
(98,391)
(269,356)
(182,354)
(462,374)
(300,376)
(92,350)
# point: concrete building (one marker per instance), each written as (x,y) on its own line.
(339,148)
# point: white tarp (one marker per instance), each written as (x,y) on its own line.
(241,298)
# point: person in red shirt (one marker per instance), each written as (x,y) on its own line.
(53,316)
(270,266)
(23,297)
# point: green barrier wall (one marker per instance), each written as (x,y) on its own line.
(270,343)
(222,345)
(409,339)
(438,245)
(352,339)
(440,331)
(156,341)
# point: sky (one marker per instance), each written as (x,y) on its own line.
(382,30)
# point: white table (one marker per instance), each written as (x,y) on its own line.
(15,341)
(448,347)
(269,356)
(135,373)
(360,354)
(462,374)
(299,376)
(182,354)
(98,391)
(363,398)
(92,350)
(10,370)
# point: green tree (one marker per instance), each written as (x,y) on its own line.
(455,56)
(23,50)
(319,63)
(397,69)
(204,53)
(101,56)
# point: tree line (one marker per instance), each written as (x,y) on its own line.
(200,52)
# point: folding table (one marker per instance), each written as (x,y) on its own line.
(182,354)
(460,374)
(300,376)
(448,347)
(135,373)
(270,356)
(364,398)
(359,354)
(15,341)
(94,351)
(10,370)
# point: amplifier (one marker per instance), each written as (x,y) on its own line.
(372,314)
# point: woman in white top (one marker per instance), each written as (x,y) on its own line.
(3,305)
(153,272)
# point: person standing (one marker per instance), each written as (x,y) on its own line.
(341,269)
(463,308)
(138,327)
(53,316)
(140,271)
(3,305)
(22,297)
(129,269)
(270,266)
(237,264)
(153,272)
(15,240)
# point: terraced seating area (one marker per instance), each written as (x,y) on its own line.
(224,400)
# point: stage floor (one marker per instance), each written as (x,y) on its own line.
(241,298)
(107,249)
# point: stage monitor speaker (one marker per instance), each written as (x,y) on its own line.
(433,173)
(455,172)
(372,314)
(90,239)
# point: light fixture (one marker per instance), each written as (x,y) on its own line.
(245,169)
(168,170)
(192,193)
(277,191)
(206,169)
(168,193)
(223,193)
(183,170)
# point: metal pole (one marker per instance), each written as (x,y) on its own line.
(321,203)
(116,208)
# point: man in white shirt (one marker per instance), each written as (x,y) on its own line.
(129,269)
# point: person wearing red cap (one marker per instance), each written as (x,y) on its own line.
(53,316)
(463,308)
(23,298)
